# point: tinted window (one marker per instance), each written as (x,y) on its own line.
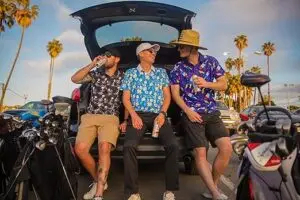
(29,106)
(148,31)
(221,106)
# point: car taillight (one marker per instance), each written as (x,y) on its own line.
(274,160)
(76,95)
(244,117)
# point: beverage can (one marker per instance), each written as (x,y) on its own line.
(101,62)
(155,130)
(196,88)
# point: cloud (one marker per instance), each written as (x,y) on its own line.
(65,60)
(71,37)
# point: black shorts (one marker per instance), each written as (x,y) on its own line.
(199,135)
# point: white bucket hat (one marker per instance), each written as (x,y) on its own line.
(145,46)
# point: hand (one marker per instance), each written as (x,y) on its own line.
(123,127)
(137,122)
(200,82)
(194,116)
(160,119)
(97,59)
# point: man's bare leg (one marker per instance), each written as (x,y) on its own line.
(83,152)
(222,159)
(204,170)
(104,149)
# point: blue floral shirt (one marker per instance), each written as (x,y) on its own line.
(146,88)
(201,101)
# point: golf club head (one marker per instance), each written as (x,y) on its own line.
(41,145)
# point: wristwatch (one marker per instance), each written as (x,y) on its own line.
(164,113)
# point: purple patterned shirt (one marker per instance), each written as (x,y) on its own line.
(201,101)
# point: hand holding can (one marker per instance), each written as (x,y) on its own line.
(155,130)
(196,88)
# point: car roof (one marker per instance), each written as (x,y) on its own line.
(100,15)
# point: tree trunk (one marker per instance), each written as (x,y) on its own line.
(254,96)
(269,95)
(50,78)
(240,91)
(11,70)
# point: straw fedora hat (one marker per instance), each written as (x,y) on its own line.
(189,37)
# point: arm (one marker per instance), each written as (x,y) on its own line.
(219,85)
(192,115)
(82,75)
(123,125)
(136,120)
(167,99)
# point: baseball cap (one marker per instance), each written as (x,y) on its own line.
(145,46)
(113,52)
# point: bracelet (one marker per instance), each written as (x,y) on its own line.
(164,113)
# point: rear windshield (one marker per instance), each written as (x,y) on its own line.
(135,30)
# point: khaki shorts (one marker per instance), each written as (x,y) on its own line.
(105,127)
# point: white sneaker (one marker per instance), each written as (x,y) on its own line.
(90,194)
(169,196)
(98,198)
(208,195)
(135,197)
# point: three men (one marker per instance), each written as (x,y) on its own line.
(193,82)
(101,119)
(146,96)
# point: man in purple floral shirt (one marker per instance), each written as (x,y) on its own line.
(194,81)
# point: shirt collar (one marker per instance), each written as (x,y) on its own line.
(187,63)
(139,67)
(102,72)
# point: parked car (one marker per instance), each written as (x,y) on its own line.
(34,107)
(297,112)
(173,20)
(252,111)
(229,116)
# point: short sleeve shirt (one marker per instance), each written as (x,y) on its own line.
(146,89)
(105,94)
(201,101)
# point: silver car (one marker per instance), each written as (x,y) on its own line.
(229,116)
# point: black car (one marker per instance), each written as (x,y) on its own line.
(166,16)
(252,111)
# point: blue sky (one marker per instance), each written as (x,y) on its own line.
(218,22)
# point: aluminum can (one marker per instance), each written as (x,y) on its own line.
(196,88)
(101,62)
(155,130)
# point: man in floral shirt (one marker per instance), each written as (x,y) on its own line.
(193,82)
(146,96)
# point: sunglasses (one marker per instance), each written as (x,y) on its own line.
(152,51)
(181,46)
(107,54)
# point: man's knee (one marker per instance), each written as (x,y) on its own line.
(200,153)
(81,149)
(104,148)
(225,148)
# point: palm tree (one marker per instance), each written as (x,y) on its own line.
(54,48)
(229,63)
(255,69)
(241,42)
(24,16)
(268,48)
(7,10)
(135,38)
